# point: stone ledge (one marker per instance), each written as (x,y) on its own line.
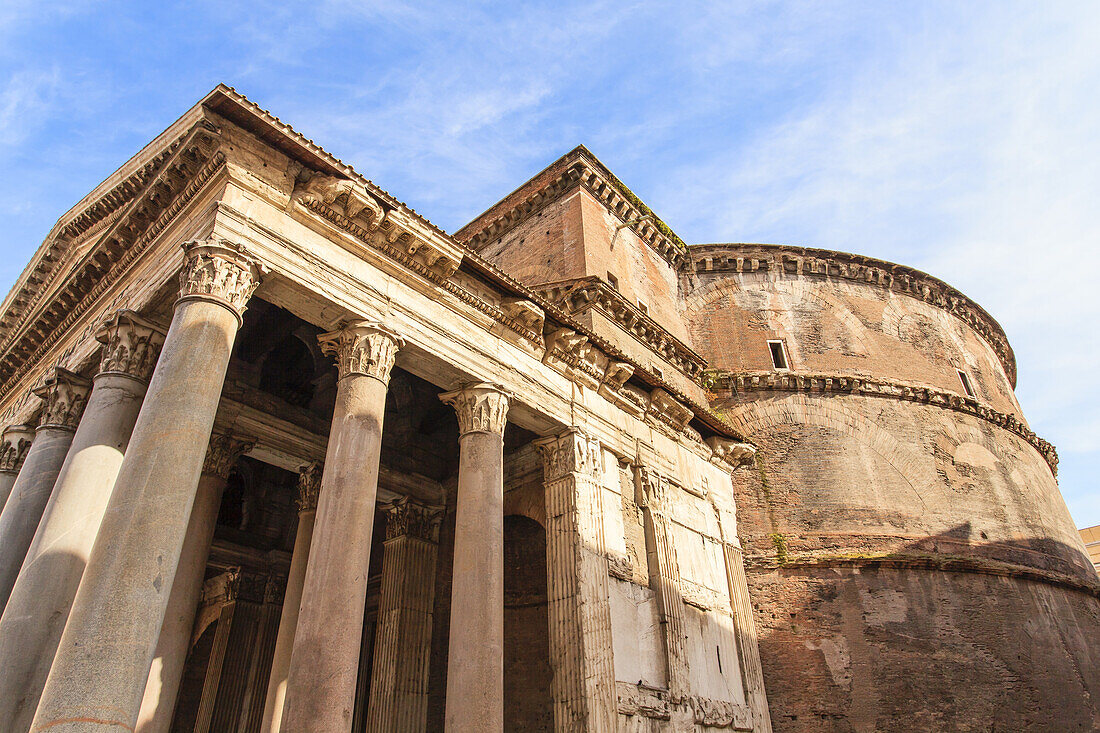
(842,384)
(919,561)
(581,294)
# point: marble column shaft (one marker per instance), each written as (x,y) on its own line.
(475,660)
(43,594)
(166,671)
(324,662)
(403,641)
(583,684)
(102,663)
(63,396)
(14,445)
(309,486)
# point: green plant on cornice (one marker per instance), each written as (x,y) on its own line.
(638,204)
(780,543)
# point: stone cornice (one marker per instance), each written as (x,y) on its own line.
(28,335)
(918,560)
(579,295)
(586,171)
(603,367)
(823,263)
(766,381)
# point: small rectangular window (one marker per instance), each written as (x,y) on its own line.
(779,354)
(966,383)
(643,307)
(612,281)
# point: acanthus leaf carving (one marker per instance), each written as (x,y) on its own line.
(63,396)
(569,453)
(219,271)
(14,446)
(336,192)
(131,345)
(363,348)
(309,485)
(222,453)
(481,408)
(733,452)
(407,517)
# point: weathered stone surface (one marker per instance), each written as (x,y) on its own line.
(118,611)
(56,559)
(905,518)
(323,665)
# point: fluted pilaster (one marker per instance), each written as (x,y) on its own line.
(654,497)
(399,681)
(583,685)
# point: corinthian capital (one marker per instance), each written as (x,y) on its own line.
(63,396)
(220,272)
(309,485)
(481,408)
(131,346)
(407,517)
(363,348)
(14,446)
(570,452)
(222,453)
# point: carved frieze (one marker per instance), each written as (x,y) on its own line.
(63,398)
(667,409)
(524,312)
(618,372)
(341,194)
(568,344)
(14,445)
(407,517)
(734,453)
(571,452)
(131,345)
(362,348)
(220,272)
(222,453)
(481,408)
(309,485)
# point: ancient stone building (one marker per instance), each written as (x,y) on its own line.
(283,455)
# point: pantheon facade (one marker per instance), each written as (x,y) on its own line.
(279,454)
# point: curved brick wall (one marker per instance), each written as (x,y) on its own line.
(911,561)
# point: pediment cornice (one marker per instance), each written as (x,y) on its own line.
(93,245)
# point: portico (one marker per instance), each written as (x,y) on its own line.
(308,531)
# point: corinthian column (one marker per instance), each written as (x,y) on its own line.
(63,397)
(475,661)
(324,663)
(165,674)
(583,685)
(43,594)
(309,487)
(102,662)
(399,680)
(14,445)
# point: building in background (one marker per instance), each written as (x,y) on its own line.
(283,455)
(1091,537)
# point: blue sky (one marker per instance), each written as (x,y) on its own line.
(960,138)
